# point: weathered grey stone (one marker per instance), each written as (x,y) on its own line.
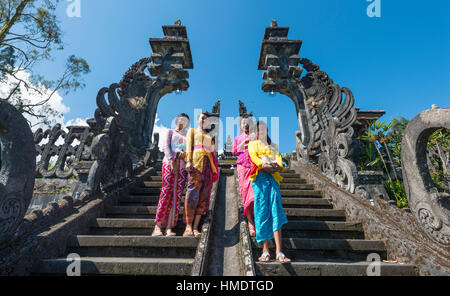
(430,208)
(332,269)
(121,266)
(405,241)
(17,169)
(245,239)
(203,249)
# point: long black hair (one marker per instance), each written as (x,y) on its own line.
(183,115)
(208,115)
(269,141)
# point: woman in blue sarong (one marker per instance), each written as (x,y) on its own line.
(266,179)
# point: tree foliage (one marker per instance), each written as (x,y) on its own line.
(29,35)
(382,151)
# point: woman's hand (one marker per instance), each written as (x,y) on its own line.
(189,166)
(181,155)
(268,168)
(276,167)
(173,166)
(242,145)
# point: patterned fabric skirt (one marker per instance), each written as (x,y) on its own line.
(198,192)
(171,195)
(246,189)
(269,213)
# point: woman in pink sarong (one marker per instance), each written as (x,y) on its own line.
(174,177)
(244,165)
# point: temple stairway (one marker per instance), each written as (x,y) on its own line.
(121,243)
(319,240)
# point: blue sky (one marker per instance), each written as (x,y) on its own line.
(398,63)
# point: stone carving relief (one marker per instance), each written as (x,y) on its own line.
(430,208)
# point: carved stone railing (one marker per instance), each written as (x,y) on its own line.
(430,208)
(68,156)
(325,111)
(17,169)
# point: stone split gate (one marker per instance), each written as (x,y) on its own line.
(114,162)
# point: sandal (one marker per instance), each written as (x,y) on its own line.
(197,233)
(282,258)
(265,257)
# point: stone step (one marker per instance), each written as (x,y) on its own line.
(154,178)
(105,226)
(125,223)
(227,171)
(133,246)
(131,241)
(290,175)
(287,178)
(145,191)
(120,266)
(323,226)
(153,184)
(142,200)
(300,193)
(135,212)
(323,229)
(330,268)
(294,180)
(325,249)
(312,203)
(296,186)
(315,214)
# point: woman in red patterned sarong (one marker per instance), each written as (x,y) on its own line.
(173,178)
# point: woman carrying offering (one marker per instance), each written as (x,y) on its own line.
(203,171)
(269,214)
(244,165)
(173,178)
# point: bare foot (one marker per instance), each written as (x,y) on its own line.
(157,231)
(170,233)
(188,232)
(197,233)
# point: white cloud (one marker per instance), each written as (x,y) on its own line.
(56,101)
(161,130)
(77,122)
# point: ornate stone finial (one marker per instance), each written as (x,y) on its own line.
(133,102)
(274,23)
(216,108)
(243,110)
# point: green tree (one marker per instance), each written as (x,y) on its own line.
(29,34)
